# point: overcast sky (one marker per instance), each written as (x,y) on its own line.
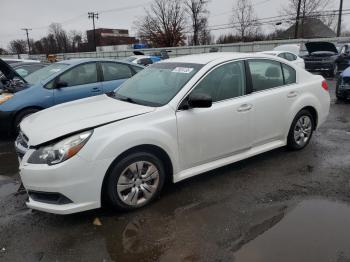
(38,14)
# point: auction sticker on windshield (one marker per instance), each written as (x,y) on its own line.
(182,70)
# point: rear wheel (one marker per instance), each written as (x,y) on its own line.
(301,130)
(19,118)
(135,181)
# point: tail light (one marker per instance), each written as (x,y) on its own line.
(325,85)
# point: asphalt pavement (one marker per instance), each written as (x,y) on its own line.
(278,206)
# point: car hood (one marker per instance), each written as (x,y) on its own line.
(320,46)
(9,72)
(76,116)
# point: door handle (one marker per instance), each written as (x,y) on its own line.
(96,89)
(244,108)
(292,94)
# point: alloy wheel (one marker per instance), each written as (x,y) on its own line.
(303,130)
(138,183)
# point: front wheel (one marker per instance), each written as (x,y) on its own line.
(301,130)
(135,181)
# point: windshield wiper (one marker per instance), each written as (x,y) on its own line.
(124,98)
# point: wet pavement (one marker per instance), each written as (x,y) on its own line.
(278,206)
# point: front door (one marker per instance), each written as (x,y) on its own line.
(208,134)
(79,82)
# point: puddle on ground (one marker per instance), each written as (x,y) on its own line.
(314,230)
(8,188)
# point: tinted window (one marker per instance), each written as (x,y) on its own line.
(115,71)
(289,74)
(282,55)
(265,74)
(224,82)
(80,75)
(290,56)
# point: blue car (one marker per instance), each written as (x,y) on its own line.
(342,89)
(55,84)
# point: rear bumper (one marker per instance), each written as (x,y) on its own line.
(6,120)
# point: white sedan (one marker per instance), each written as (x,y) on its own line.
(292,58)
(174,120)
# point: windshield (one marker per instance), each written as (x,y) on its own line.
(45,73)
(158,84)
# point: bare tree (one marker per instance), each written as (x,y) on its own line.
(310,9)
(164,23)
(75,38)
(196,9)
(18,46)
(60,36)
(244,19)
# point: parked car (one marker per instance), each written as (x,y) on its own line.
(14,60)
(343,60)
(291,57)
(58,83)
(297,49)
(143,60)
(342,90)
(174,120)
(26,68)
(321,57)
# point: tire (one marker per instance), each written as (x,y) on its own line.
(128,180)
(18,119)
(301,130)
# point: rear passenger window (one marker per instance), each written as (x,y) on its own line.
(224,82)
(115,71)
(290,57)
(265,74)
(289,74)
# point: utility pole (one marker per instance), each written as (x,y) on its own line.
(339,18)
(27,29)
(297,20)
(93,15)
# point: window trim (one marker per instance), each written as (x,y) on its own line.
(184,98)
(272,88)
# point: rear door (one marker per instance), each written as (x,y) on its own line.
(274,91)
(80,82)
(114,74)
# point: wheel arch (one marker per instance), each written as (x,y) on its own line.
(313,112)
(149,148)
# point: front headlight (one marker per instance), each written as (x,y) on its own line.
(61,151)
(5,97)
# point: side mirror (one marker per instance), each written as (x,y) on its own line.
(200,101)
(60,84)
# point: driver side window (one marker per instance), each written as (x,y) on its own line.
(80,75)
(224,82)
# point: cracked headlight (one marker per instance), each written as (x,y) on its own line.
(61,151)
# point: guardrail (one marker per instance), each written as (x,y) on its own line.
(188,50)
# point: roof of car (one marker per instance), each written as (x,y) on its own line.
(210,57)
(76,61)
